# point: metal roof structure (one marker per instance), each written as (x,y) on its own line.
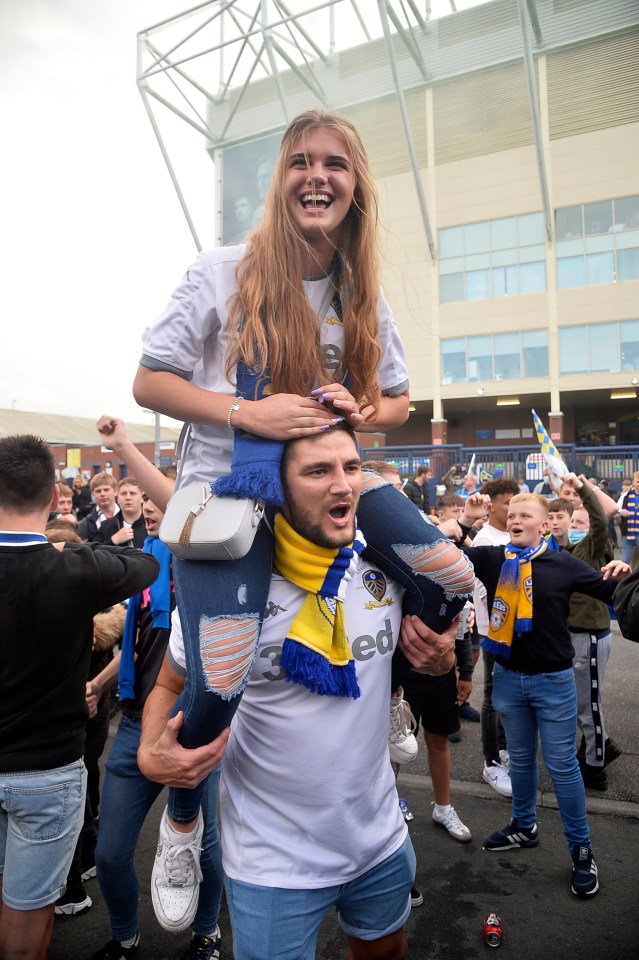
(80,431)
(235,70)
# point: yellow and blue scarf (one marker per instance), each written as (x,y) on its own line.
(316,652)
(513,605)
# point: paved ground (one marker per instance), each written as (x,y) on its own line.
(529,889)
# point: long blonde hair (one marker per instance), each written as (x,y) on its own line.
(271,321)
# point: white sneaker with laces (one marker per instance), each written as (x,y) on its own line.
(176,876)
(497,777)
(402,743)
(505,760)
(452,823)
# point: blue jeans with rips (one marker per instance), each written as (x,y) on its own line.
(222,604)
(542,705)
(127,797)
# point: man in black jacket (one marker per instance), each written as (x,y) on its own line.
(417,488)
(127,527)
(46,647)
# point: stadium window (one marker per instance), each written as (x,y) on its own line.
(493,252)
(599,347)
(598,243)
(501,356)
(573,349)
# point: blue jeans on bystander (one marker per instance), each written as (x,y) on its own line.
(542,705)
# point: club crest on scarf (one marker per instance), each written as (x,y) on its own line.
(499,614)
(528,589)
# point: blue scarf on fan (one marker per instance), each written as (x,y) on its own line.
(255,467)
(160,593)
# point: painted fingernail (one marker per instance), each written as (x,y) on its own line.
(338,419)
(325,426)
(317,390)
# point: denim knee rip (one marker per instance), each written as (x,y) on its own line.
(454,574)
(227,650)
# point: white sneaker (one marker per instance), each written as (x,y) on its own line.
(505,760)
(497,777)
(451,822)
(176,877)
(402,743)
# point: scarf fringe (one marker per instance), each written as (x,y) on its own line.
(261,481)
(494,646)
(523,625)
(314,671)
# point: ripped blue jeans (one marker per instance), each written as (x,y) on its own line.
(222,605)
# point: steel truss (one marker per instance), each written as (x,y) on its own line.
(203,64)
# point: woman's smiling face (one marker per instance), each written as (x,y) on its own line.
(319,184)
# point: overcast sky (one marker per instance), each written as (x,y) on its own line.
(92,239)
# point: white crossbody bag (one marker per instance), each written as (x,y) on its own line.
(197,525)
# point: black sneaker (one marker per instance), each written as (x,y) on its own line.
(73,903)
(416,898)
(466,712)
(595,778)
(204,948)
(113,950)
(612,750)
(585,878)
(512,837)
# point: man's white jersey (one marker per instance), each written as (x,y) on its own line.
(308,796)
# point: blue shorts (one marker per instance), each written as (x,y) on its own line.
(41,814)
(272,922)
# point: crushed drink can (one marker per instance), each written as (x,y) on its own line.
(406,813)
(493,932)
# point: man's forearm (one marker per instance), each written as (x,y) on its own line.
(107,677)
(160,756)
(157,712)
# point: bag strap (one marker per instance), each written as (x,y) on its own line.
(180,451)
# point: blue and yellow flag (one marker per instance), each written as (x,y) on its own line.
(549,450)
(546,444)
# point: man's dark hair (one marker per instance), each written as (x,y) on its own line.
(422,469)
(496,488)
(342,426)
(561,506)
(27,473)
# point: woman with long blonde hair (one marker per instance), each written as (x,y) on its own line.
(267,342)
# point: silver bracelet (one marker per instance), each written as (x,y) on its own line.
(235,406)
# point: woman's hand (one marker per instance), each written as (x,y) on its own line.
(337,398)
(284,416)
